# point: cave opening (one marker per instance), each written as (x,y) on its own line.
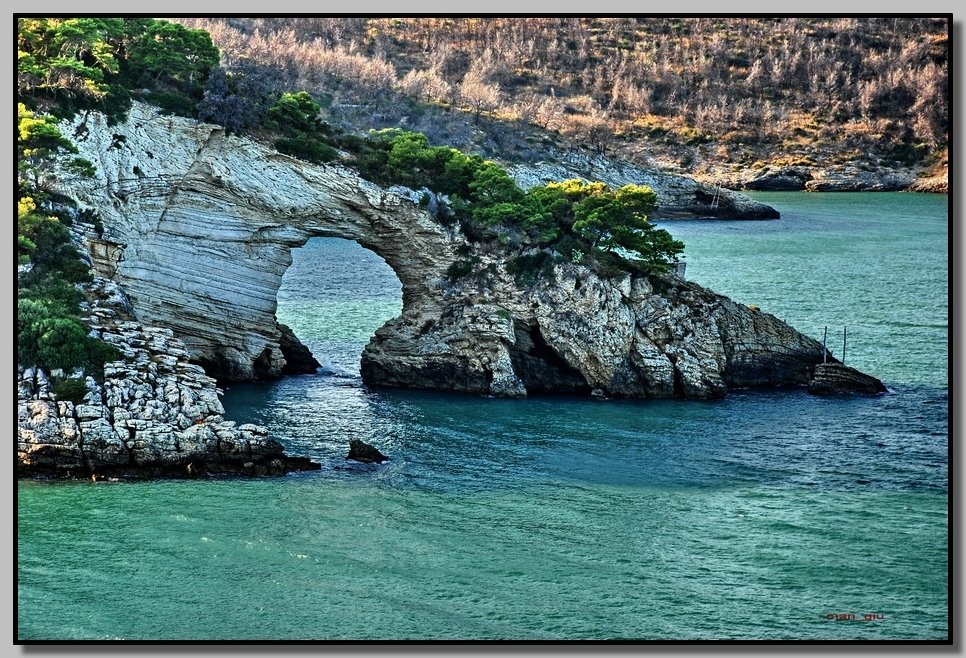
(540,367)
(333,298)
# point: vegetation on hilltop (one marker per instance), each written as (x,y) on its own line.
(697,93)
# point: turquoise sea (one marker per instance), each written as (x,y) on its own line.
(754,517)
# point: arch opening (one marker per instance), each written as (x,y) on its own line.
(333,297)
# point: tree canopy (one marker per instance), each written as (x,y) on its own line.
(571,215)
(67,65)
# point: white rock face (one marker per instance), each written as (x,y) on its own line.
(199,228)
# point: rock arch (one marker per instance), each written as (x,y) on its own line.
(201,225)
(202,235)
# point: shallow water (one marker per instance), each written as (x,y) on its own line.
(554,518)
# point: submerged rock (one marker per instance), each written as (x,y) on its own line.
(836,379)
(361,451)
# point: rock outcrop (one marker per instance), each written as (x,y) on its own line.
(779,179)
(931,184)
(829,179)
(677,196)
(837,378)
(360,451)
(850,179)
(575,332)
(155,413)
(198,228)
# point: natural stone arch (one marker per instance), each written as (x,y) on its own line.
(202,235)
(200,227)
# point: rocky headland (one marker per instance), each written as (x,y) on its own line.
(831,179)
(198,228)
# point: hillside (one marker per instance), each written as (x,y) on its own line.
(714,98)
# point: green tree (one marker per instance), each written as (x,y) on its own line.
(617,222)
(295,113)
(169,53)
(49,337)
(491,184)
(40,145)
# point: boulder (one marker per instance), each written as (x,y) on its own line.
(361,451)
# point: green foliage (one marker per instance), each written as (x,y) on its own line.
(616,221)
(50,335)
(74,64)
(530,268)
(166,54)
(295,113)
(70,390)
(306,136)
(40,145)
(570,217)
(307,148)
(173,102)
(49,332)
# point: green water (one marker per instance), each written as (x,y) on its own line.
(553,518)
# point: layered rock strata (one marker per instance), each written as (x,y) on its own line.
(155,413)
(836,378)
(576,332)
(198,228)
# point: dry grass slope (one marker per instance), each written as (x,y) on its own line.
(706,96)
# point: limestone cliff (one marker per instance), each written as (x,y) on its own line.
(198,228)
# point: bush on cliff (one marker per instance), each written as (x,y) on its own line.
(305,135)
(49,335)
(565,217)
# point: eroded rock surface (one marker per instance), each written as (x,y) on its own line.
(575,332)
(836,379)
(155,413)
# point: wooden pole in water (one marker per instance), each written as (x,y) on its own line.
(845,334)
(824,349)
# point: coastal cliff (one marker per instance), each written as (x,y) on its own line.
(198,228)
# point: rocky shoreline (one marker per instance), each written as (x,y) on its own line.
(839,179)
(191,259)
(154,414)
